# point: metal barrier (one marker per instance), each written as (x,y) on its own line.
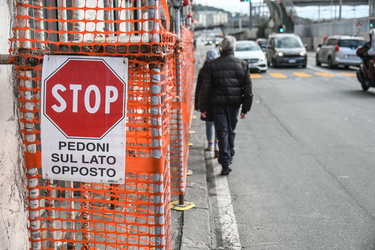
(66,214)
(182,112)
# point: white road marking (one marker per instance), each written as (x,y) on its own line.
(230,236)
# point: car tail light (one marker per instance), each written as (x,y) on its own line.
(337,47)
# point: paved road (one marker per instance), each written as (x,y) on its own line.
(303,172)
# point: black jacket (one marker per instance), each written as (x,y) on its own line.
(199,85)
(226,82)
(198,89)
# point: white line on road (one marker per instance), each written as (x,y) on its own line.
(230,236)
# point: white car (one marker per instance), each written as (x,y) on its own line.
(253,54)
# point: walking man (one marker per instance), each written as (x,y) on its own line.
(227,87)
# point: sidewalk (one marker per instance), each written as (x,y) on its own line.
(191,228)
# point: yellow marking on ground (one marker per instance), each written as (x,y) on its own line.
(301,74)
(324,74)
(347,74)
(255,75)
(278,75)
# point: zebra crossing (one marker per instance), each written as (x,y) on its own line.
(300,74)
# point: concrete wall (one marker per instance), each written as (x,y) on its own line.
(13,212)
(246,35)
(313,34)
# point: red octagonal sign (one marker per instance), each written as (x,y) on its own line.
(84,98)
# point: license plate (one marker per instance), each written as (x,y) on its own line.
(292,61)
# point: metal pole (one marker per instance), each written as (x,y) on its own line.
(319,14)
(181,200)
(250,17)
(371,3)
(178,17)
(331,9)
(178,33)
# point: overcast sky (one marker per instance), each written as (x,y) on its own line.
(307,12)
(229,5)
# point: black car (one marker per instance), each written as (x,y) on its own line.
(262,42)
(286,49)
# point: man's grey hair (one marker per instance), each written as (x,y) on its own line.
(229,42)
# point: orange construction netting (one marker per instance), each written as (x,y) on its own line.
(81,215)
(182,111)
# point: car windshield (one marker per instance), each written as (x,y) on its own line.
(246,47)
(288,42)
(351,43)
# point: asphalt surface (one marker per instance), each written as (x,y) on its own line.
(195,228)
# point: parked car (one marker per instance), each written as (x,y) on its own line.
(339,50)
(262,42)
(286,49)
(253,54)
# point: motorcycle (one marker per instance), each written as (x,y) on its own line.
(366,72)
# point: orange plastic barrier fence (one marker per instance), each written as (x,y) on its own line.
(182,111)
(78,215)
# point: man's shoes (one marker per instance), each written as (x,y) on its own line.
(226,170)
(216,154)
(216,150)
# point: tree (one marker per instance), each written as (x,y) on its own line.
(199,7)
(262,26)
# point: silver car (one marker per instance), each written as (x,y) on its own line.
(339,50)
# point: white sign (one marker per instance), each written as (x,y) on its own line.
(83,117)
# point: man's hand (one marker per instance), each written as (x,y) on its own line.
(203,114)
(243,115)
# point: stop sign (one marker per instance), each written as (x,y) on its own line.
(84,98)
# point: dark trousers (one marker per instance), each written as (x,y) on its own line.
(225,124)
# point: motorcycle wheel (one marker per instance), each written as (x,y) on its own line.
(362,80)
(364,87)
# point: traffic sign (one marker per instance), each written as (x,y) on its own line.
(83,118)
(89,93)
